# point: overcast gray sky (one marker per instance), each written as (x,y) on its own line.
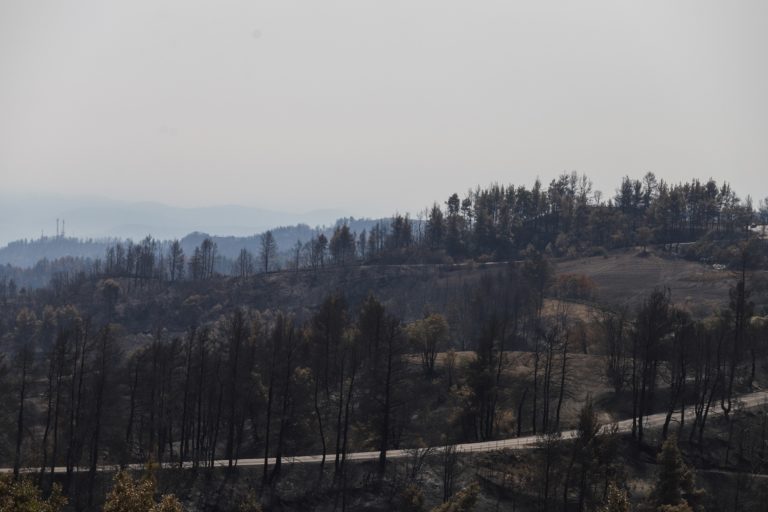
(372,106)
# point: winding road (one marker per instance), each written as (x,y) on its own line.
(745,401)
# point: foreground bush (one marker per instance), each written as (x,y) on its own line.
(24,496)
(129,495)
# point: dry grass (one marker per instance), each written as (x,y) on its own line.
(572,310)
(584,376)
(626,279)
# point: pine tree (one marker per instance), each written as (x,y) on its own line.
(462,501)
(411,499)
(675,483)
(268,251)
(617,500)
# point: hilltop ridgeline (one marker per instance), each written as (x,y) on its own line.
(497,223)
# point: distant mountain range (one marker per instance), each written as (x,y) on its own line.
(97,218)
(87,226)
(99,224)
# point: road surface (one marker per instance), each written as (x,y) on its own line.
(749,400)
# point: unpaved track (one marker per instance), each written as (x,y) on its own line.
(745,401)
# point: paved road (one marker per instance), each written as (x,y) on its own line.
(755,399)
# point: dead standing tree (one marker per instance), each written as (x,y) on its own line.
(268,252)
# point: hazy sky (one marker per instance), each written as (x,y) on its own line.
(372,106)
